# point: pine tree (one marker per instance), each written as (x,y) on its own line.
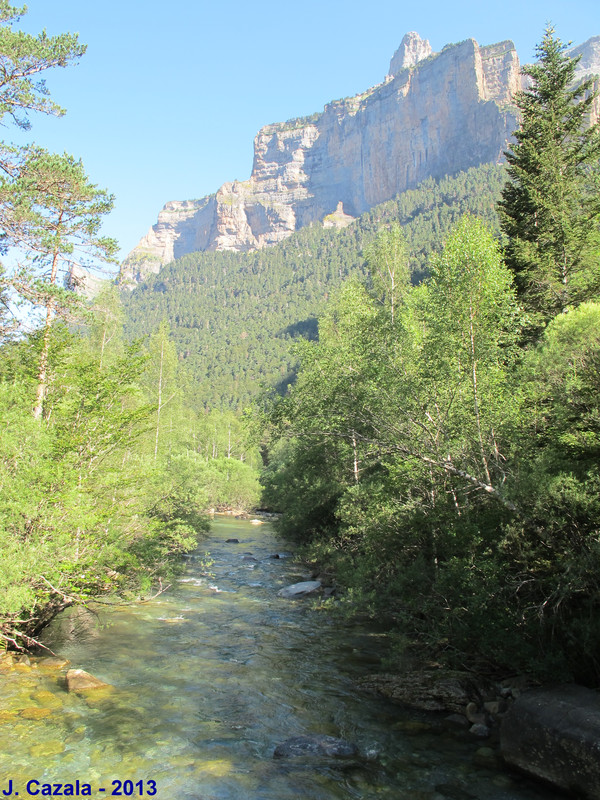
(22,58)
(55,216)
(548,209)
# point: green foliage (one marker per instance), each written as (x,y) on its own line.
(550,208)
(22,58)
(85,508)
(108,482)
(234,315)
(449,478)
(388,264)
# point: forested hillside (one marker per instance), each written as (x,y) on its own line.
(233,315)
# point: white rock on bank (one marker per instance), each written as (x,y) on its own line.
(298,590)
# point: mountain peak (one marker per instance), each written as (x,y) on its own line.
(412,50)
(590,57)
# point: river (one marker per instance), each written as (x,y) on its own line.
(209,677)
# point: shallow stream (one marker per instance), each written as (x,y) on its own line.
(209,677)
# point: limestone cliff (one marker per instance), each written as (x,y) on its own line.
(434,114)
(589,63)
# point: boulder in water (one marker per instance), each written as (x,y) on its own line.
(315,745)
(553,734)
(298,590)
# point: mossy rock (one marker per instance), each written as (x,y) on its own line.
(35,713)
(48,699)
(45,749)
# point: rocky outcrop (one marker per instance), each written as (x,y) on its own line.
(412,50)
(435,114)
(84,283)
(554,735)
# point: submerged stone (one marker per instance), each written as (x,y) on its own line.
(35,713)
(48,699)
(53,662)
(78,680)
(315,745)
(6,662)
(44,749)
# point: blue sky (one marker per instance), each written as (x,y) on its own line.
(167,100)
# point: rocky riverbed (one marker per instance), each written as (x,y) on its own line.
(209,679)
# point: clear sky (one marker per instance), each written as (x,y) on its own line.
(168,98)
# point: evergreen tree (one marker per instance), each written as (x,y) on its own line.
(548,209)
(55,215)
(22,58)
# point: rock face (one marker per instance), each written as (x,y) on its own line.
(590,57)
(554,735)
(435,114)
(84,283)
(589,65)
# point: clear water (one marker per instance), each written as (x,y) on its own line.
(209,677)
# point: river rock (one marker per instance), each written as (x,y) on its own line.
(232,541)
(35,713)
(429,690)
(479,729)
(486,757)
(53,662)
(315,745)
(454,791)
(456,721)
(554,734)
(6,662)
(298,590)
(78,680)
